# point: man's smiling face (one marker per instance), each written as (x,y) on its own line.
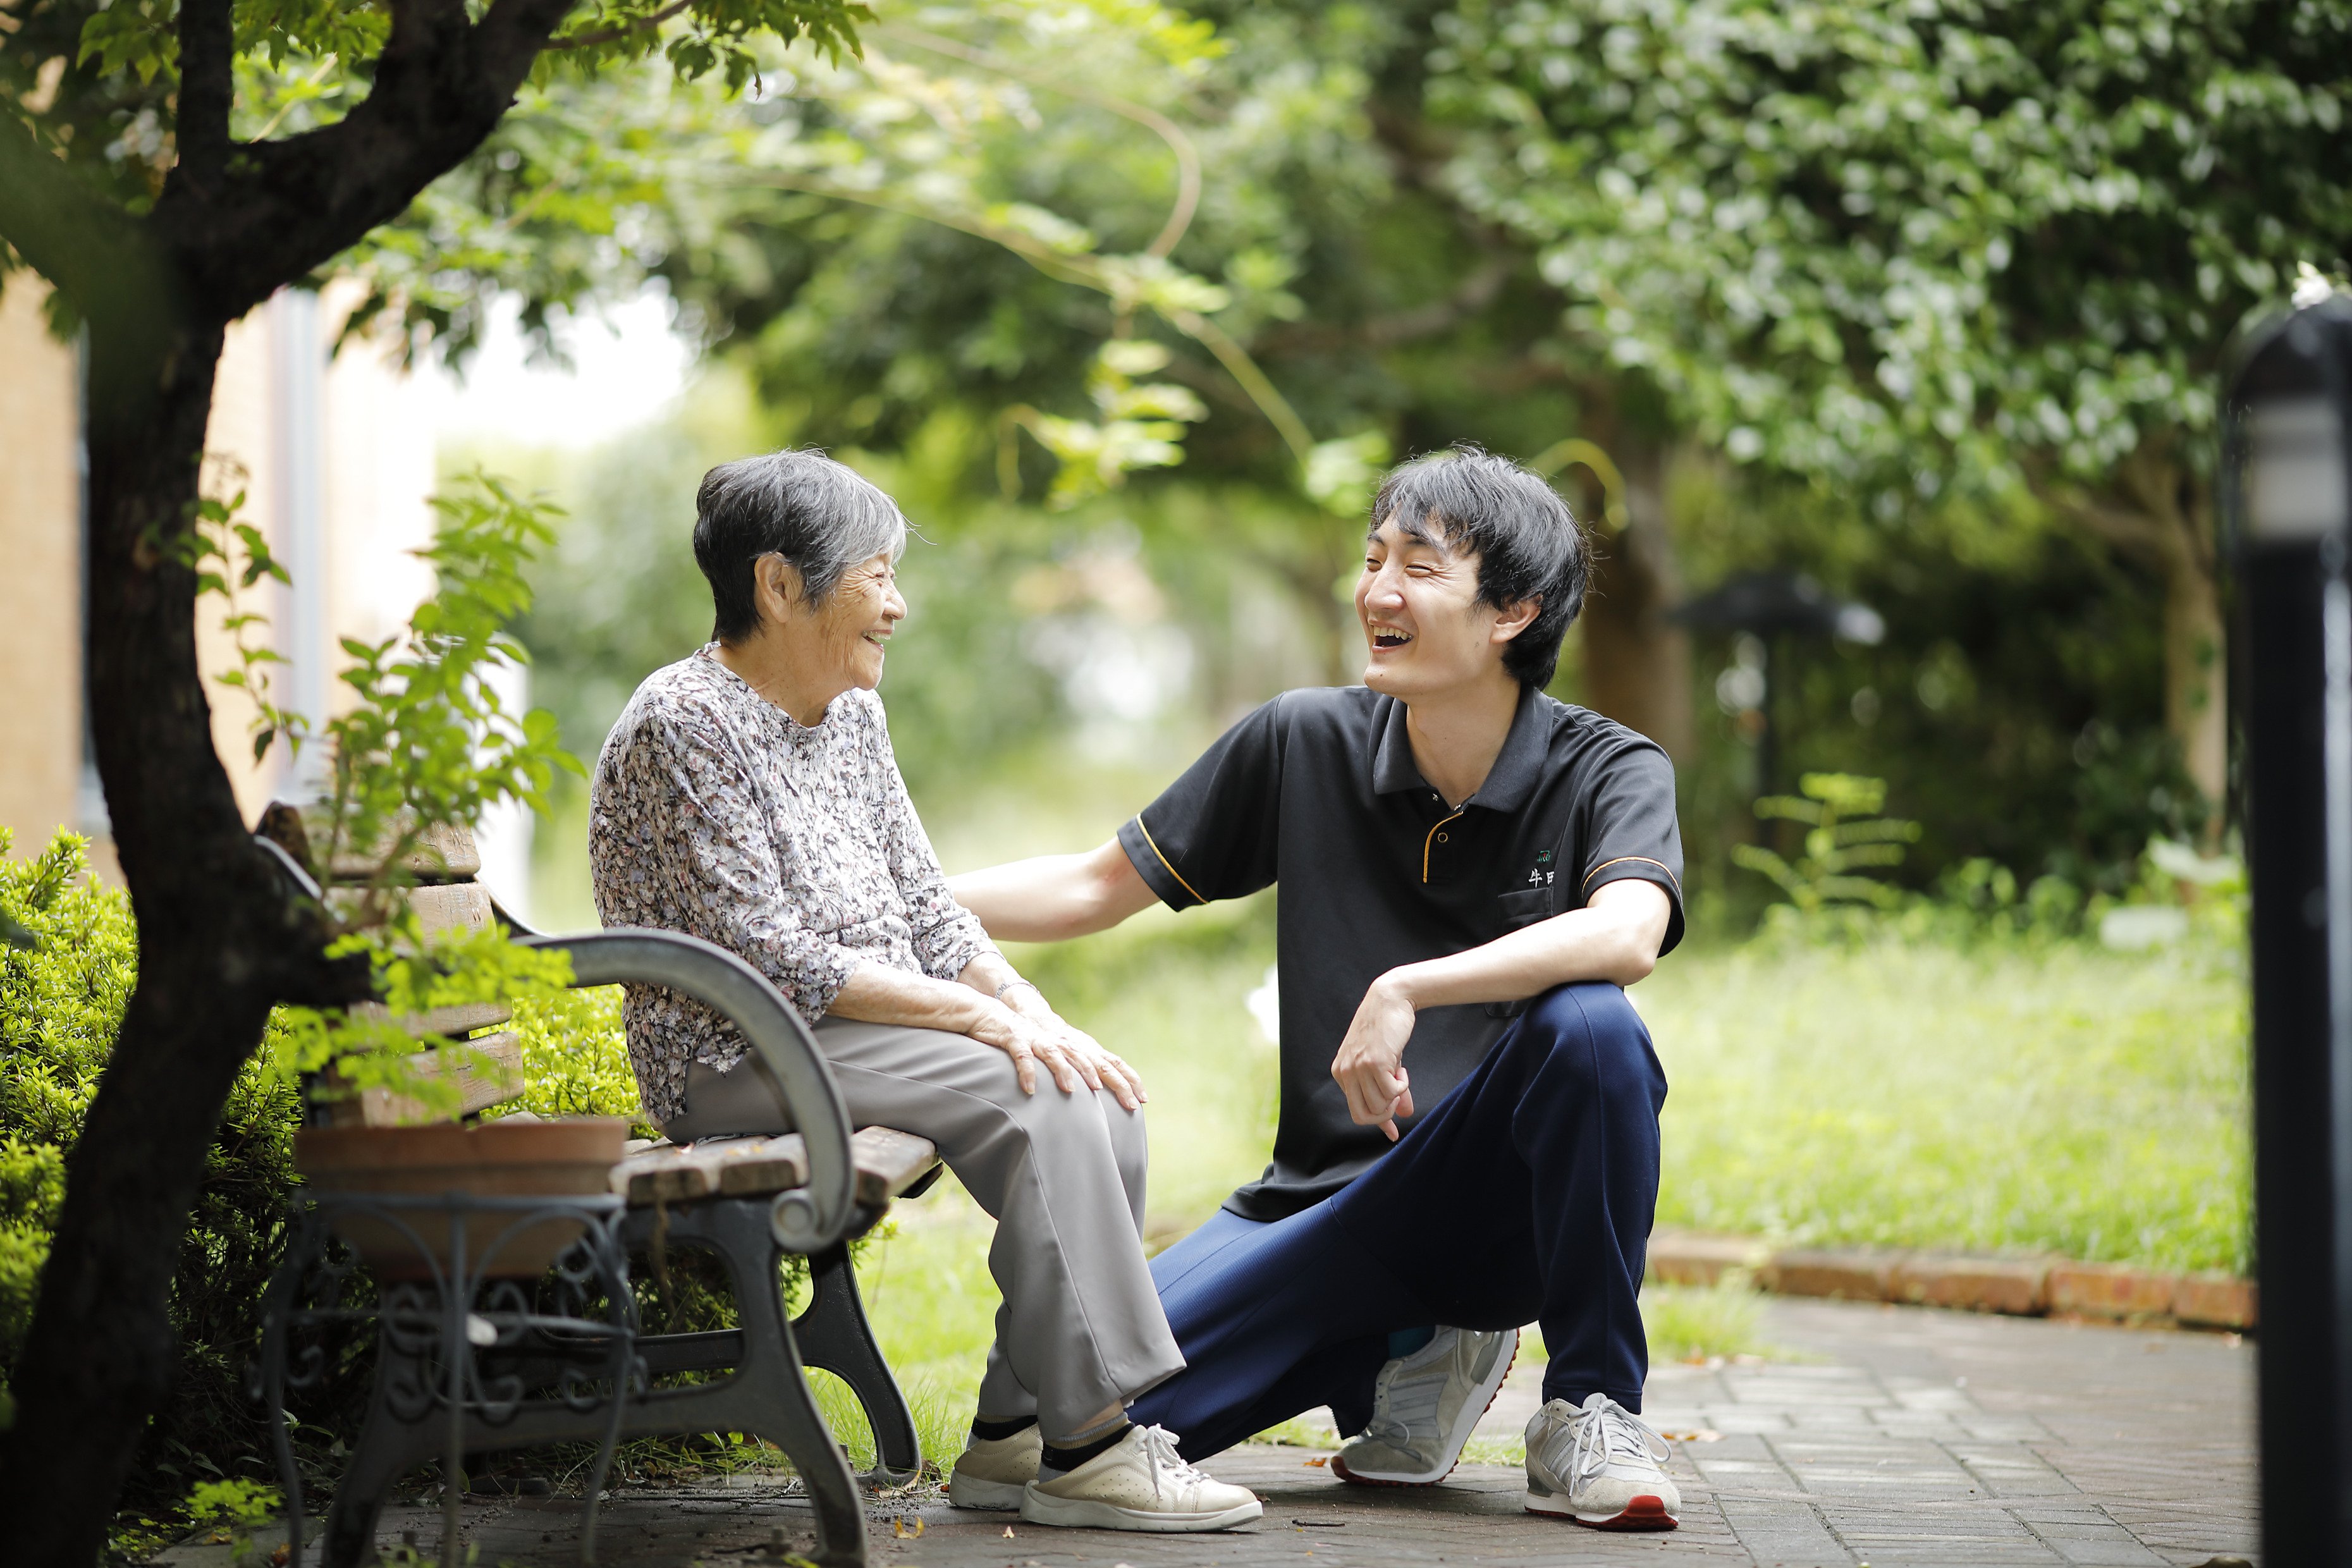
(1418,603)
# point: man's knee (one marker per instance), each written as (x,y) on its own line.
(1587,1025)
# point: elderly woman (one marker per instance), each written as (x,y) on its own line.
(749,796)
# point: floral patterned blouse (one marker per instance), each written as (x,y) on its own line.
(714,813)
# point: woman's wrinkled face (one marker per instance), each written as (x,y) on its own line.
(831,647)
(851,626)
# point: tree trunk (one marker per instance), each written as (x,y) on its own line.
(218,940)
(1637,666)
(2197,679)
(2158,510)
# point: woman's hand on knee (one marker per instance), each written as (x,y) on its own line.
(1036,1034)
(1099,1068)
(1029,1043)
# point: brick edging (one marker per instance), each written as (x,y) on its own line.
(2021,1286)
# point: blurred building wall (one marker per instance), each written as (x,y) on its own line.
(40,591)
(334,460)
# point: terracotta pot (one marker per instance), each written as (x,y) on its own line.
(497,1159)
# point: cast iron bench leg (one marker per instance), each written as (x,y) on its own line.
(833,1333)
(388,1446)
(772,1385)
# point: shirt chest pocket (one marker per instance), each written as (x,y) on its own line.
(1524,907)
(1519,911)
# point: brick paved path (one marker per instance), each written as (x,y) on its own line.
(1918,1437)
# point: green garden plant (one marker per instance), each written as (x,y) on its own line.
(61,1005)
(238,1507)
(1843,835)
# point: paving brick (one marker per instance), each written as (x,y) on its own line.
(1853,1274)
(2215,1302)
(1783,1532)
(2110,1290)
(2016,1286)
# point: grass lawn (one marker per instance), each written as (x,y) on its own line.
(2070,1100)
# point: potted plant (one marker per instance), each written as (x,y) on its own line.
(423,748)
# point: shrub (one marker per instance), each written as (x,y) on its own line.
(62,1004)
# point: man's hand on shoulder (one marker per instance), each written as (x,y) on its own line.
(1370,1067)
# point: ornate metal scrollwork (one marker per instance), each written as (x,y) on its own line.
(458,1339)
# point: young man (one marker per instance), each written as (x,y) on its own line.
(1468,1133)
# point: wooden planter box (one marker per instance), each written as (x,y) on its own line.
(497,1159)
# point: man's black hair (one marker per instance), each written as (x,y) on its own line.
(1529,545)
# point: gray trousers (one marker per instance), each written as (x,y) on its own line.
(1080,1330)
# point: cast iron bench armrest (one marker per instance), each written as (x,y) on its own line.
(809,1218)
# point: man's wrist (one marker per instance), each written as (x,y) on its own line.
(1400,984)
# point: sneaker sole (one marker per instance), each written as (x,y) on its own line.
(1643,1512)
(1375,1479)
(971,1491)
(1084,1513)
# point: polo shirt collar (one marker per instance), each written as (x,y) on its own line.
(1517,766)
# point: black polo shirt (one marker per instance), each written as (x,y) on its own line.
(1318,790)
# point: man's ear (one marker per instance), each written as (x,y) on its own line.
(1509,623)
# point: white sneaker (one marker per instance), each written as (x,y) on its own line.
(1139,1483)
(1424,1407)
(993,1472)
(1600,1467)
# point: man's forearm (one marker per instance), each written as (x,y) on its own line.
(1616,939)
(1053,897)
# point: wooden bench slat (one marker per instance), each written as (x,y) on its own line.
(460,1020)
(487,1073)
(735,1167)
(888,1162)
(450,909)
(446,854)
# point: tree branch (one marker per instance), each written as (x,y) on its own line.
(1477,290)
(614,35)
(285,208)
(2125,528)
(207,44)
(1187,157)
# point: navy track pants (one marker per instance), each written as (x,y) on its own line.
(1525,1196)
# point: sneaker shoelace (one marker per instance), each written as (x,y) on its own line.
(1159,1447)
(1610,1432)
(1417,1403)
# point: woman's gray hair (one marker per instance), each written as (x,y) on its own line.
(821,516)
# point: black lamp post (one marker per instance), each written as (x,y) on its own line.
(2287,485)
(1771,606)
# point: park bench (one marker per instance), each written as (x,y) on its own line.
(751,1202)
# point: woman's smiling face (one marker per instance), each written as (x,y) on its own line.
(846,632)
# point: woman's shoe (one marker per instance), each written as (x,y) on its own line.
(1139,1483)
(995,1472)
